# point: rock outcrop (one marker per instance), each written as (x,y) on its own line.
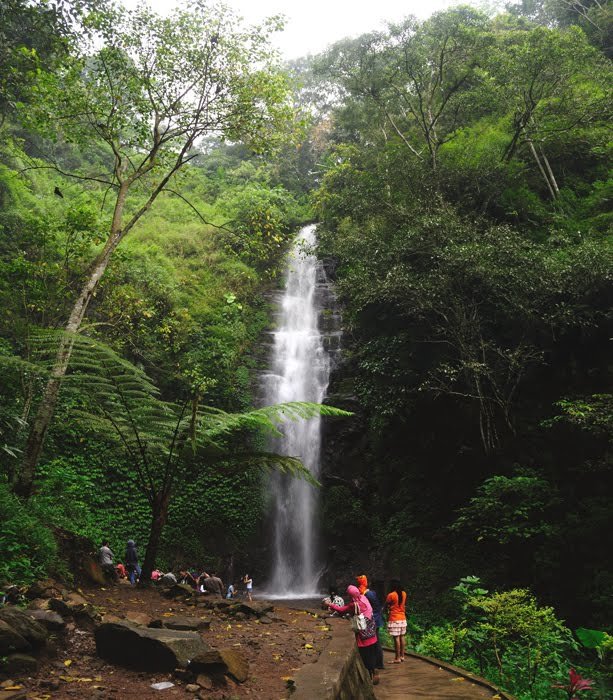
(144,648)
(10,640)
(225,661)
(32,631)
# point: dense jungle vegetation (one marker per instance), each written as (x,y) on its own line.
(152,174)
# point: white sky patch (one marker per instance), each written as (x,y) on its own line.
(312,25)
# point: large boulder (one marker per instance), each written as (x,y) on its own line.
(44,589)
(59,606)
(51,620)
(33,632)
(20,665)
(255,609)
(138,618)
(228,661)
(75,602)
(179,590)
(147,649)
(10,640)
(84,614)
(181,622)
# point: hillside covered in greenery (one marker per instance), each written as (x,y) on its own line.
(153,172)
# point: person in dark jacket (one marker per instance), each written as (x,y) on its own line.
(377,610)
(131,560)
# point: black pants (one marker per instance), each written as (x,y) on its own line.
(379,651)
(369,657)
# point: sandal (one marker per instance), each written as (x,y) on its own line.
(395,661)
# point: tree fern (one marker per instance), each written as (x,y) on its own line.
(163,440)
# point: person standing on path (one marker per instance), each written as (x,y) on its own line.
(366,645)
(377,609)
(397,619)
(131,559)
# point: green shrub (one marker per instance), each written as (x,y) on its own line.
(27,548)
(505,637)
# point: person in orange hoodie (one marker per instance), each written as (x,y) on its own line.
(397,618)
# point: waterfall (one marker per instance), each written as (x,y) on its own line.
(299,371)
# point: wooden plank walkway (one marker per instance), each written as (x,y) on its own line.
(417,679)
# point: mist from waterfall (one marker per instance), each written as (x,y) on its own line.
(299,371)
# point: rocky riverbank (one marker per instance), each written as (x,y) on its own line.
(105,642)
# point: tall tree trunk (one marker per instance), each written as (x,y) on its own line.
(552,177)
(25,478)
(541,168)
(158,521)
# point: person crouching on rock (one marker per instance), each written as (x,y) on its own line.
(105,557)
(366,638)
(332,599)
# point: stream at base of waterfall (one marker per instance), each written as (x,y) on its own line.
(299,370)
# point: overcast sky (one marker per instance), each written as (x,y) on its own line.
(313,24)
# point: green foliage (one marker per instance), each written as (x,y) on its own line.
(594,414)
(27,548)
(509,508)
(505,636)
(341,511)
(263,219)
(463,201)
(222,521)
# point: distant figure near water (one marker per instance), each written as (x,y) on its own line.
(248,581)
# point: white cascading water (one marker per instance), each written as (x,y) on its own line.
(300,370)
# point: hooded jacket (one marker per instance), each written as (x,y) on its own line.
(131,554)
(364,607)
(372,598)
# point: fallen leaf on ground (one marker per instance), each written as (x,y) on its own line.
(67,662)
